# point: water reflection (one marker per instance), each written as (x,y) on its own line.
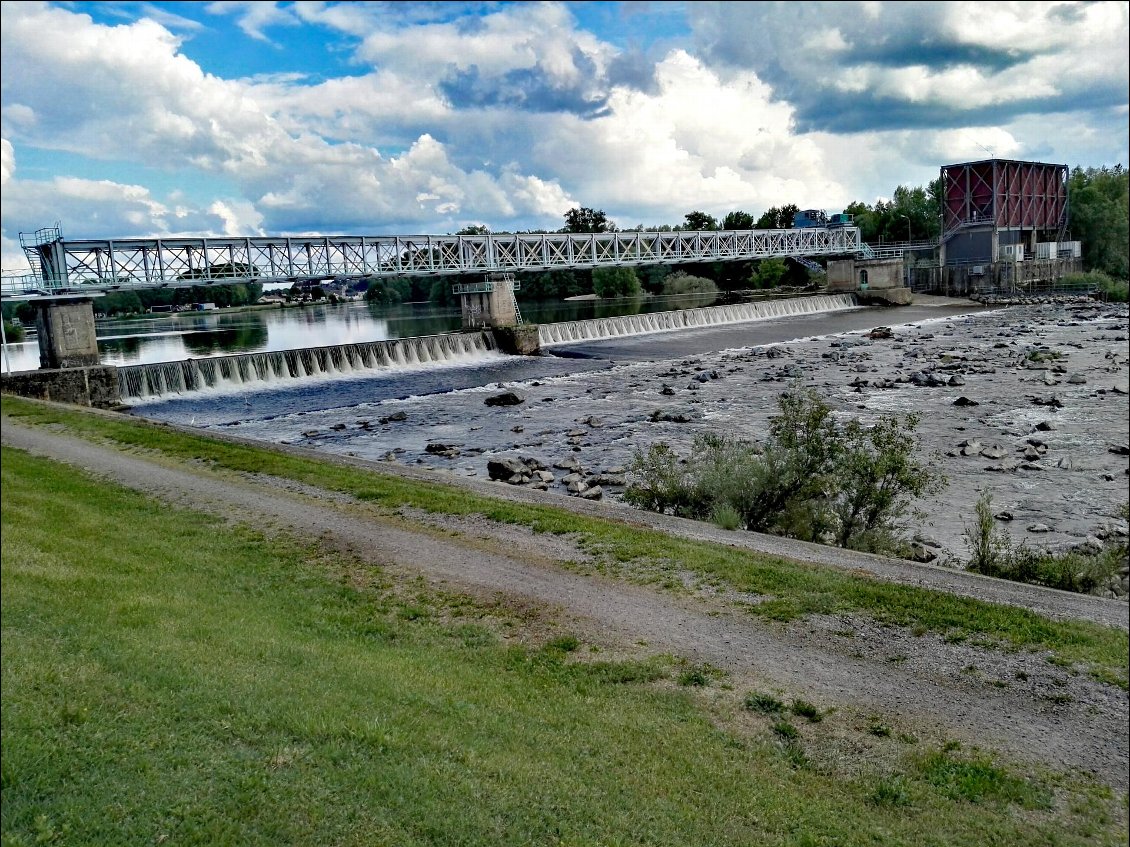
(177,336)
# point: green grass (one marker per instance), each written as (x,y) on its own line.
(169,679)
(795,589)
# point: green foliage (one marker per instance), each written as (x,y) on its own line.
(786,730)
(389,291)
(1102,285)
(615,282)
(684,283)
(812,479)
(13,332)
(806,710)
(1100,218)
(765,704)
(977,779)
(769,273)
(993,553)
(778,218)
(737,220)
(584,219)
(699,222)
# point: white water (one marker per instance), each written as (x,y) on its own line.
(563,333)
(261,370)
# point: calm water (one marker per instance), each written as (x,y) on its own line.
(175,337)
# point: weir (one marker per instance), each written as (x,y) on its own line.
(141,382)
(597,328)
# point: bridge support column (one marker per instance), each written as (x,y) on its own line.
(65,326)
(488,304)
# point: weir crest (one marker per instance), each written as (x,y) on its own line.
(597,328)
(143,382)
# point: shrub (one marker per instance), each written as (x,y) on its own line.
(684,283)
(813,479)
(992,553)
(806,710)
(763,703)
(13,332)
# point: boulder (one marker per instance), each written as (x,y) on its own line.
(506,398)
(505,468)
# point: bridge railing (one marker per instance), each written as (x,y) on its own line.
(105,265)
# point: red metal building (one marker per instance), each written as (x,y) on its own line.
(995,206)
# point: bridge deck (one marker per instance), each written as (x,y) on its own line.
(65,266)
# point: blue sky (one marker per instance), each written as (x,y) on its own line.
(244,118)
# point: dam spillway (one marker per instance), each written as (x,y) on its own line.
(260,370)
(618,327)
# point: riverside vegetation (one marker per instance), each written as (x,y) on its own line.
(349,707)
(815,479)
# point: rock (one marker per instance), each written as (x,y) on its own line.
(593,421)
(544,476)
(506,398)
(394,417)
(1004,515)
(1077,379)
(505,468)
(1031,453)
(569,479)
(920,553)
(576,486)
(993,452)
(1065,463)
(970,448)
(1046,426)
(1039,527)
(569,463)
(965,401)
(594,493)
(957,379)
(607,479)
(672,416)
(448,450)
(880,333)
(1120,450)
(667,390)
(338,427)
(310,433)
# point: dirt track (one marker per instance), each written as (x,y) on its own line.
(1051,717)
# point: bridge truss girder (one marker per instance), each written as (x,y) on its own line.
(106,265)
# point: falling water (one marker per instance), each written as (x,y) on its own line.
(140,382)
(562,333)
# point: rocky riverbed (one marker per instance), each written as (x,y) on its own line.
(1027,401)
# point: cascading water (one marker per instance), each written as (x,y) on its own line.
(563,333)
(143,382)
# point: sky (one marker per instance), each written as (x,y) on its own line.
(145,119)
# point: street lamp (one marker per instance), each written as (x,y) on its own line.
(906,265)
(908,239)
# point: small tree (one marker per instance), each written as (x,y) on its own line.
(615,282)
(584,219)
(769,273)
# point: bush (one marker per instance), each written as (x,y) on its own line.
(1104,287)
(813,479)
(684,283)
(615,282)
(993,553)
(13,332)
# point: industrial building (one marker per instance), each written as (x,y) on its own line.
(1004,227)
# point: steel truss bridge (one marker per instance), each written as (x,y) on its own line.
(65,267)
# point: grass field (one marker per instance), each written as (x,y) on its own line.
(170,680)
(795,588)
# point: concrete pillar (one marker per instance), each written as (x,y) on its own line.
(65,326)
(488,304)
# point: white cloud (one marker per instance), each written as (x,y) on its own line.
(254,16)
(7,161)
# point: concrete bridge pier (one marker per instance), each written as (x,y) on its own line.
(65,326)
(69,369)
(490,304)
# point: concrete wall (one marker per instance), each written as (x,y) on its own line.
(91,386)
(66,333)
(482,309)
(847,274)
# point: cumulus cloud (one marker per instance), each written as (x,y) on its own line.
(851,67)
(7,161)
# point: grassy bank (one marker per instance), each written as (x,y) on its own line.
(795,589)
(169,680)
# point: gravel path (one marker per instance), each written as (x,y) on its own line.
(1051,717)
